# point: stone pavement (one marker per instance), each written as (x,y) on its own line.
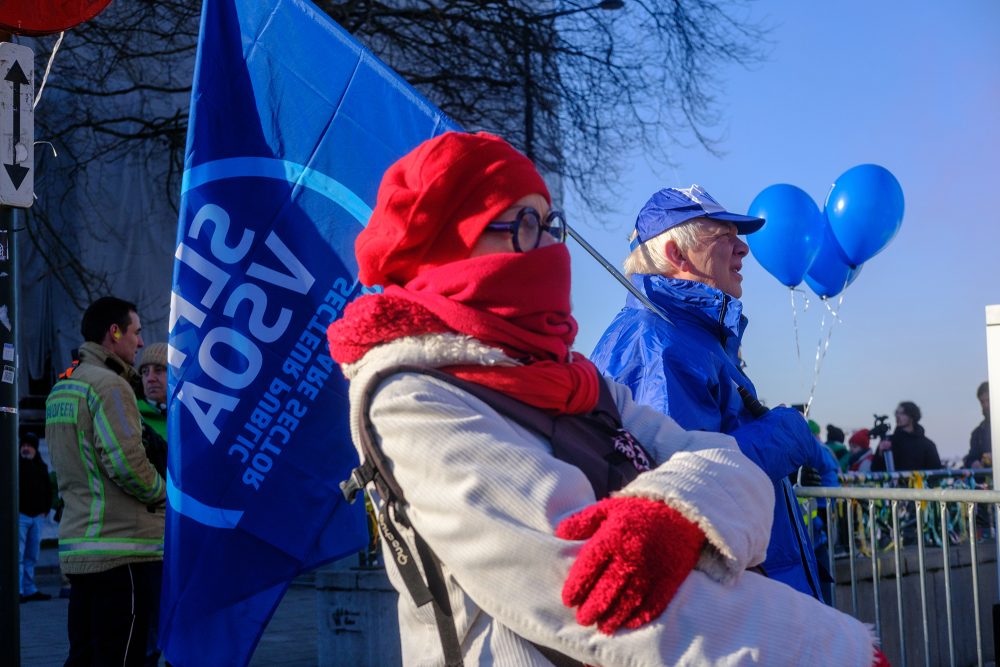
(289,639)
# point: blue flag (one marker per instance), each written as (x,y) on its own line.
(292,125)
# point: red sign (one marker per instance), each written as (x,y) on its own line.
(43,17)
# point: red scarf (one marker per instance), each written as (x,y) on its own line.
(516,302)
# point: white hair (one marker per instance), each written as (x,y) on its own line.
(651,257)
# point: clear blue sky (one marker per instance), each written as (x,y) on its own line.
(915,87)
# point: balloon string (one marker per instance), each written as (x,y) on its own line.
(795,324)
(48,69)
(840,302)
(795,318)
(819,363)
(823,345)
(840,299)
(835,312)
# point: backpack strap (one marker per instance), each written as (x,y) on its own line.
(375,469)
(434,591)
(596,442)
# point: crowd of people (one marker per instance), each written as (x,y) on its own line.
(907,447)
(633,507)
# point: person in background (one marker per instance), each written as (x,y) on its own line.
(686,256)
(57,502)
(980,446)
(153,405)
(507,446)
(809,476)
(153,411)
(860,459)
(981,455)
(34,503)
(910,448)
(110,536)
(835,443)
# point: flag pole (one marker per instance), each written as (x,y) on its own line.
(617,275)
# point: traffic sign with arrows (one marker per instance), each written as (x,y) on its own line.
(17,126)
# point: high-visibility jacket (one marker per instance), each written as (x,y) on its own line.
(113,513)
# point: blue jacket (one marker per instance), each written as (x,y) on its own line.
(690,370)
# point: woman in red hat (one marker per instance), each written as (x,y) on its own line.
(861,456)
(555,520)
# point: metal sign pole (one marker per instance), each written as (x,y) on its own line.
(10,636)
(17,135)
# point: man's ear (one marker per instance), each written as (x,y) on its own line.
(116,332)
(673,254)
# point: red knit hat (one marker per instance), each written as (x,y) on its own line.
(436,200)
(860,438)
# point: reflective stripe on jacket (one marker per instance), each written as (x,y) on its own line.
(94,435)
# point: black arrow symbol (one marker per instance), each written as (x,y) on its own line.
(16,76)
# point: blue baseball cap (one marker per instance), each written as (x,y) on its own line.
(672,206)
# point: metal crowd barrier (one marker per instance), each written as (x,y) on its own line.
(869,522)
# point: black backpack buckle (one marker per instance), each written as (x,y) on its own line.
(359,478)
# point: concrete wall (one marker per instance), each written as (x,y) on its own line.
(357,618)
(358,624)
(962,605)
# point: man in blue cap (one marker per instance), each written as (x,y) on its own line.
(683,359)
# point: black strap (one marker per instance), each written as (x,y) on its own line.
(586,441)
(556,658)
(797,529)
(443,618)
(435,591)
(404,558)
(375,469)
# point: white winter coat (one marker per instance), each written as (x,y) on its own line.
(486,494)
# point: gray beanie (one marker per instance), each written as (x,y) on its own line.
(154,354)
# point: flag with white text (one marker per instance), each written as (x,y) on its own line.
(292,125)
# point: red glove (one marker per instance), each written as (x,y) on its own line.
(880,660)
(638,552)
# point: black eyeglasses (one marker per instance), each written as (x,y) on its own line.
(527,228)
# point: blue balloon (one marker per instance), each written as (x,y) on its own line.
(865,210)
(830,272)
(788,242)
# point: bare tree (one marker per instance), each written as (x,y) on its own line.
(123,80)
(578,88)
(117,95)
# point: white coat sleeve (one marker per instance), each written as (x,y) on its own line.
(709,481)
(486,495)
